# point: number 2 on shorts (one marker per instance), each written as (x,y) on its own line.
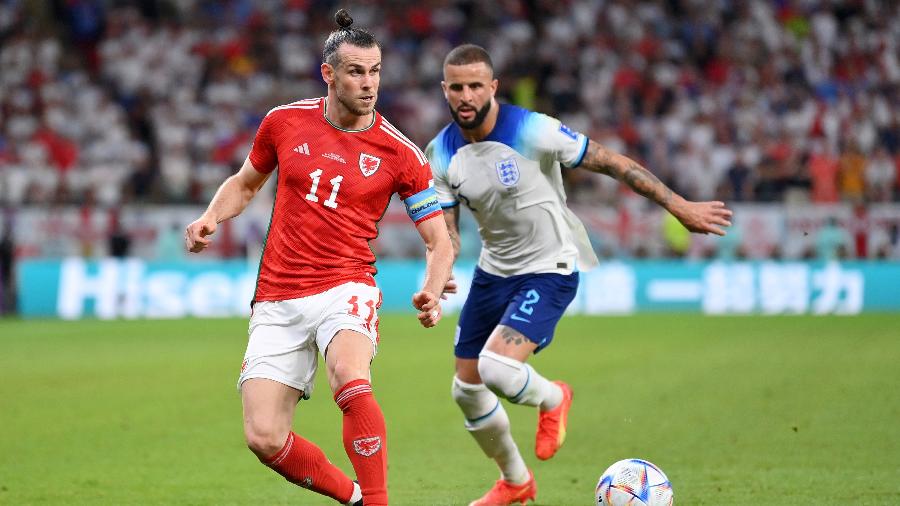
(531,298)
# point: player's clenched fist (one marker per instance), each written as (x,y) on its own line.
(195,235)
(429,308)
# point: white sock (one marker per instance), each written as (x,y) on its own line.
(517,381)
(356,496)
(488,423)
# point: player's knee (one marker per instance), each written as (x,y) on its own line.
(346,372)
(343,373)
(467,371)
(477,403)
(467,394)
(343,370)
(500,374)
(264,439)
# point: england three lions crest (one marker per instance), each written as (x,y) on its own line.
(368,164)
(508,172)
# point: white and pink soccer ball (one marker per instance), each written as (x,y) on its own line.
(634,482)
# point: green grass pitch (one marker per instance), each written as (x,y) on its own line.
(736,410)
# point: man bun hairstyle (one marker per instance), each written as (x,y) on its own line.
(345,34)
(467,54)
(343,18)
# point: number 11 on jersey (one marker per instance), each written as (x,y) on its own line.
(335,187)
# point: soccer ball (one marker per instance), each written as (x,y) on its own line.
(634,482)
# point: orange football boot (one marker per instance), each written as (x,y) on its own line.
(551,431)
(505,493)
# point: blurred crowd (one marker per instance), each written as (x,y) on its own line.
(109,102)
(112,107)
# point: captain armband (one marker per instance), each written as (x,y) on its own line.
(422,205)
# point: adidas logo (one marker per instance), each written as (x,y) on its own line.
(303,149)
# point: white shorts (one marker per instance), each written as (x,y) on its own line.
(287,336)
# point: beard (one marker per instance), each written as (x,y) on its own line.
(475,122)
(353,106)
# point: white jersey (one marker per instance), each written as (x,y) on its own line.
(512,183)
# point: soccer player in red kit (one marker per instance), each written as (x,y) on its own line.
(339,162)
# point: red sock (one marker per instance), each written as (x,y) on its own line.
(365,439)
(303,463)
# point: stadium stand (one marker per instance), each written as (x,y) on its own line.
(787,105)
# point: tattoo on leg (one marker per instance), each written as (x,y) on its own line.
(511,336)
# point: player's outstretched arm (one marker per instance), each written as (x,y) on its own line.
(230,199)
(438,266)
(698,217)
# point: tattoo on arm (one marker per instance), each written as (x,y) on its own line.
(599,159)
(451,216)
(639,179)
(455,242)
(645,183)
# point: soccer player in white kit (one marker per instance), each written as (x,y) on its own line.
(504,163)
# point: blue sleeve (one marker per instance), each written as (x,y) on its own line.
(547,134)
(440,165)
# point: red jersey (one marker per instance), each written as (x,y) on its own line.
(333,186)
